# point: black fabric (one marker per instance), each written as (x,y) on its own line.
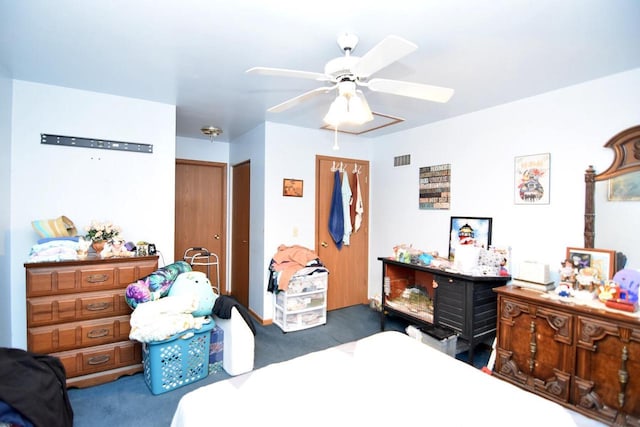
(35,385)
(222,308)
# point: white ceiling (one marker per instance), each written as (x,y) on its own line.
(194,53)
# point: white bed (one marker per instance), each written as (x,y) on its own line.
(386,379)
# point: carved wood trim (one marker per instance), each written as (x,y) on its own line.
(559,322)
(590,331)
(509,368)
(626,148)
(557,386)
(588,399)
(511,310)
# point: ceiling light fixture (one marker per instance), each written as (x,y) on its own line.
(211,131)
(350,106)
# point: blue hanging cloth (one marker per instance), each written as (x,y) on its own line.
(336,214)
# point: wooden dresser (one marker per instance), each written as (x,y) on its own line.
(76,311)
(584,357)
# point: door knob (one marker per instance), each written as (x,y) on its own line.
(324,244)
(216,236)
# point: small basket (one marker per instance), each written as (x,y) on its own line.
(177,361)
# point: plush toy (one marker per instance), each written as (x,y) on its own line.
(197,286)
(629,281)
(607,291)
(156,285)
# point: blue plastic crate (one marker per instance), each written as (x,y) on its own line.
(177,361)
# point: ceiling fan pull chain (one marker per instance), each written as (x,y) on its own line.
(335,139)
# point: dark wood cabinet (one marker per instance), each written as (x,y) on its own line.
(76,311)
(466,304)
(582,356)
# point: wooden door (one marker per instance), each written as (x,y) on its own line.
(240,221)
(349,266)
(201,206)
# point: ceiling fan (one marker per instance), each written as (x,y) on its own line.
(348,72)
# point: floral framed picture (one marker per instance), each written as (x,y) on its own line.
(531,186)
(603,260)
(469,230)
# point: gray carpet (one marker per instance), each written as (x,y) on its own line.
(129,402)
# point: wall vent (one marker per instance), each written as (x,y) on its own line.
(403,160)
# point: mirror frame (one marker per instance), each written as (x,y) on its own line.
(626,147)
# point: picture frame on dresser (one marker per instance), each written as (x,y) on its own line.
(603,260)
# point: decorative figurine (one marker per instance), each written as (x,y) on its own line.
(568,273)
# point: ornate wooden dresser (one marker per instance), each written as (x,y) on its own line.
(76,311)
(580,355)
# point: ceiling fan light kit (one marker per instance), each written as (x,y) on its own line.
(350,106)
(348,72)
(211,131)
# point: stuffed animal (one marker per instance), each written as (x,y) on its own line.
(156,285)
(629,281)
(195,285)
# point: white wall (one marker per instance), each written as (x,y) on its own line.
(202,149)
(571,124)
(6,96)
(134,190)
(291,153)
(251,147)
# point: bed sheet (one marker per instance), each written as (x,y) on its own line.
(386,378)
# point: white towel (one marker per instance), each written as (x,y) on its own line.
(359,205)
(347,199)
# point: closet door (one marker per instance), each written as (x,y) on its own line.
(201,211)
(349,266)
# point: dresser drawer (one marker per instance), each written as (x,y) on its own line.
(74,277)
(70,308)
(67,336)
(100,358)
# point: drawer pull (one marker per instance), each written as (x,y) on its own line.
(97,306)
(97,278)
(98,333)
(99,360)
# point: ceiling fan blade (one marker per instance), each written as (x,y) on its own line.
(300,98)
(413,90)
(282,72)
(389,50)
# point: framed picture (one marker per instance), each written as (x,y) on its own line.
(603,260)
(475,231)
(625,187)
(435,187)
(292,187)
(531,186)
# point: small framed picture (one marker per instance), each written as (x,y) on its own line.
(531,179)
(292,187)
(603,260)
(469,230)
